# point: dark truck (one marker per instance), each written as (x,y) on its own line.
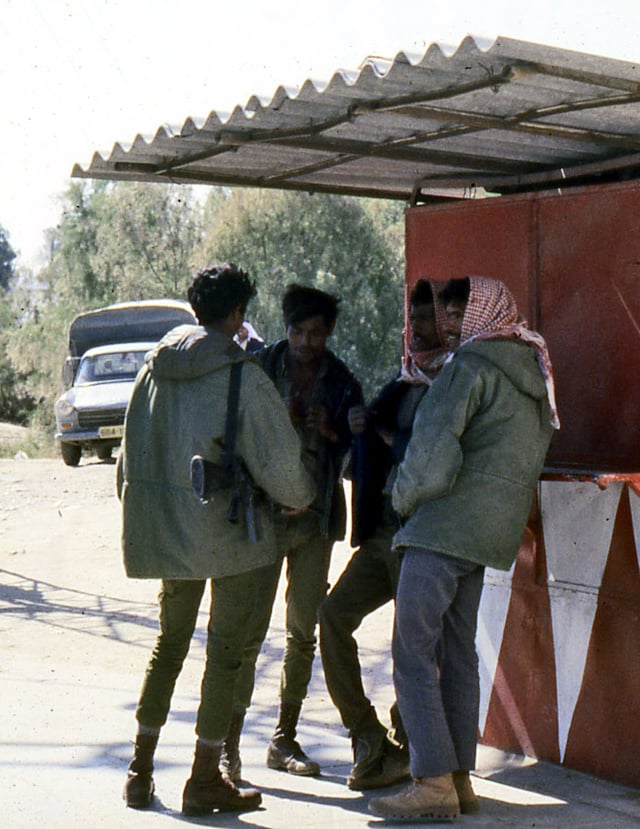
(106,348)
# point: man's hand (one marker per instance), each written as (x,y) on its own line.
(318,419)
(386,436)
(357,417)
(296,408)
(292,511)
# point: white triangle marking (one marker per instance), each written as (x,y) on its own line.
(494,606)
(634,503)
(577,521)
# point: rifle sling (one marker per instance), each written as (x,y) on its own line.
(231,425)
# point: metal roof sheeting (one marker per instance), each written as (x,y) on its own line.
(513,117)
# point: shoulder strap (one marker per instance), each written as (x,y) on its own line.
(231,426)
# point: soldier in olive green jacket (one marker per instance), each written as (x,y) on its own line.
(178,410)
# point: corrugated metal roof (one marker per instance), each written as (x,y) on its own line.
(513,117)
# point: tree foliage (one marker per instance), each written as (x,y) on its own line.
(118,242)
(16,402)
(7,256)
(343,245)
(114,242)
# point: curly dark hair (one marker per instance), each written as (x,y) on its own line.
(421,293)
(456,290)
(301,302)
(217,290)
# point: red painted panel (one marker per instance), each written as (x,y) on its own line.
(493,237)
(573,263)
(523,707)
(605,730)
(590,278)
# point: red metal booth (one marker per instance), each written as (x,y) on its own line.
(559,635)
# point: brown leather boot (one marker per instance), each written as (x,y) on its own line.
(391,767)
(468,801)
(139,788)
(230,763)
(284,753)
(427,798)
(207,790)
(368,746)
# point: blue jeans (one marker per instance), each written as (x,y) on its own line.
(435,664)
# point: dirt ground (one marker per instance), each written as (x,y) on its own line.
(75,637)
(41,500)
(12,439)
(10,433)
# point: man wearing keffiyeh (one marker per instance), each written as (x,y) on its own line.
(464,490)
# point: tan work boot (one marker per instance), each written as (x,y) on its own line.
(467,797)
(426,798)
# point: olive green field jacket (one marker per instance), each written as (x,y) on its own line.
(477,449)
(178,410)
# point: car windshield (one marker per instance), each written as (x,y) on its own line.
(118,365)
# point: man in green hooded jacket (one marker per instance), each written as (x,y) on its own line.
(464,490)
(178,410)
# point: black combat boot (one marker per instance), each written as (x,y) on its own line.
(207,790)
(230,763)
(378,760)
(139,788)
(367,743)
(284,753)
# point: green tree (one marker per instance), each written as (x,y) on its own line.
(342,245)
(114,242)
(7,256)
(128,241)
(119,242)
(16,401)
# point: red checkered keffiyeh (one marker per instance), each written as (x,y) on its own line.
(491,313)
(423,366)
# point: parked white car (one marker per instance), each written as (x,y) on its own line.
(90,415)
(106,350)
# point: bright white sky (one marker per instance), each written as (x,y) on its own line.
(79,75)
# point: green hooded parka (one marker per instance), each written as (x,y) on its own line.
(178,410)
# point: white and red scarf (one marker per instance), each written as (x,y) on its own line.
(492,314)
(423,366)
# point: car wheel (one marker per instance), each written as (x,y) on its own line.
(71,453)
(103,452)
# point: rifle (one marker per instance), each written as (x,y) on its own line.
(208,477)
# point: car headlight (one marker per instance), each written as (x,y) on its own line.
(64,408)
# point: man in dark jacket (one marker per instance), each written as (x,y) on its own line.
(381,433)
(464,490)
(318,390)
(178,409)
